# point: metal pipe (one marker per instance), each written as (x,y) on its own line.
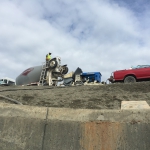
(12,100)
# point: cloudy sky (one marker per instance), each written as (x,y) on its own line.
(95,35)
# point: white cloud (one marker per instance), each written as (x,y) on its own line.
(94,35)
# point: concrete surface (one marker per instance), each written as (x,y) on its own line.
(41,128)
(134,105)
(21,127)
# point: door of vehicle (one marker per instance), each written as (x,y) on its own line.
(1,81)
(142,73)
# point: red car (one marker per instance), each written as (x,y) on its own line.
(141,72)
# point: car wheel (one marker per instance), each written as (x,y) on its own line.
(129,79)
(52,64)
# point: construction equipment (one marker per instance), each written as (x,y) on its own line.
(71,78)
(91,77)
(52,72)
(43,73)
(80,78)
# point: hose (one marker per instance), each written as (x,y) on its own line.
(12,100)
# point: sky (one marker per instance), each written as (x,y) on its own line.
(97,36)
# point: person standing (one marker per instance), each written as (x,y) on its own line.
(48,57)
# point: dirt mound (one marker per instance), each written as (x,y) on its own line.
(89,96)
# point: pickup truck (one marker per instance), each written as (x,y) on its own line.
(131,75)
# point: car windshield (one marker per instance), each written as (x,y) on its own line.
(140,66)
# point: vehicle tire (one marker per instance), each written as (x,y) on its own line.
(129,79)
(65,70)
(52,63)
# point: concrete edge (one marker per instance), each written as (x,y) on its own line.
(24,111)
(68,114)
(99,115)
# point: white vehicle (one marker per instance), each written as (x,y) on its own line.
(7,81)
(49,73)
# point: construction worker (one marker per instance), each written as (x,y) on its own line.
(48,57)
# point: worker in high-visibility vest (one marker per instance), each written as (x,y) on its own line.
(48,57)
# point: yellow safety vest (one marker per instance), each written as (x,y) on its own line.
(48,57)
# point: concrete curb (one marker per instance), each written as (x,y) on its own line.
(84,115)
(41,128)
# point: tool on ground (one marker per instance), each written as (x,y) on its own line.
(12,100)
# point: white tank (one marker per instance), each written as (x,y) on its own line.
(30,75)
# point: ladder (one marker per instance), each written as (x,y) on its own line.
(43,73)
